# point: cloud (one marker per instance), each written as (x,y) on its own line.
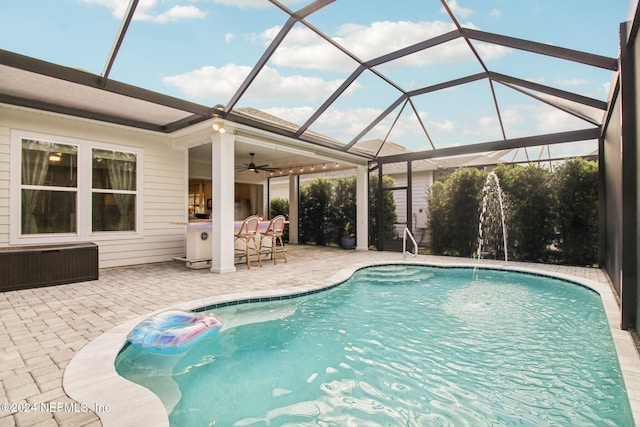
(488,126)
(458,11)
(220,83)
(553,120)
(495,13)
(571,82)
(445,126)
(146,11)
(540,80)
(117,7)
(228,37)
(304,49)
(528,119)
(253,4)
(176,13)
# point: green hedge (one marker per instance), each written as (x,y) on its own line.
(327,206)
(551,216)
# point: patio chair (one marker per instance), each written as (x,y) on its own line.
(248,234)
(272,236)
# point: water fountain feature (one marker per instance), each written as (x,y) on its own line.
(492,218)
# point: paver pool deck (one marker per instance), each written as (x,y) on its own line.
(42,329)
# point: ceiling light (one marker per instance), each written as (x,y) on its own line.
(218,127)
(55,157)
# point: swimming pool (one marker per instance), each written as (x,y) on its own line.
(409,345)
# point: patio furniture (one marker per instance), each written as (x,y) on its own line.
(33,266)
(272,236)
(248,234)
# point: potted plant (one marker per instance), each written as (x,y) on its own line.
(349,239)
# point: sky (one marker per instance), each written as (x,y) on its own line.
(202,50)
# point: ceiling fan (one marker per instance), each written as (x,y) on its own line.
(256,168)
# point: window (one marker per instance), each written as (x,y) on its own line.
(49,187)
(113,190)
(73,190)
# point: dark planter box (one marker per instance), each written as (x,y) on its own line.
(23,267)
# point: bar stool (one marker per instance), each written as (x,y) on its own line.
(274,234)
(248,234)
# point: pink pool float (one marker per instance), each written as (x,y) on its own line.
(173,331)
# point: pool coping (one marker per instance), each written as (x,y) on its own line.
(91,378)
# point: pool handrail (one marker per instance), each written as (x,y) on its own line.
(404,244)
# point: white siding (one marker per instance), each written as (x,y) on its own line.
(4,184)
(163,190)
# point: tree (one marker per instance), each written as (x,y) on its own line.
(315,205)
(577,191)
(279,206)
(437,224)
(326,206)
(531,211)
(344,205)
(387,204)
(454,203)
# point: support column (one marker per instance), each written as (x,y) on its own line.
(628,92)
(362,208)
(294,186)
(222,214)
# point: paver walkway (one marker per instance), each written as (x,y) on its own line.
(41,329)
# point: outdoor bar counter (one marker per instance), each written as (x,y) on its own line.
(198,243)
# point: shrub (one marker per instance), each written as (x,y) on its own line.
(315,205)
(279,206)
(531,211)
(544,209)
(389,210)
(343,207)
(454,204)
(326,206)
(577,218)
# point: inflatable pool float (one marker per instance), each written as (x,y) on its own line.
(173,331)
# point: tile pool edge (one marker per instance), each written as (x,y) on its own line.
(91,379)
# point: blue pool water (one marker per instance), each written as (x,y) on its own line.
(400,345)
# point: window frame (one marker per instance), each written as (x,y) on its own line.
(84,191)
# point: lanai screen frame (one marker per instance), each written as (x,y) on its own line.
(189,113)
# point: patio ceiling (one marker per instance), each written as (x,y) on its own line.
(432,82)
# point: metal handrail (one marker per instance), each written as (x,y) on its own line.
(404,244)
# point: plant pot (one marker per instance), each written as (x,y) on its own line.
(348,242)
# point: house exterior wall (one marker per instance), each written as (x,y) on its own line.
(163,190)
(5,147)
(420,181)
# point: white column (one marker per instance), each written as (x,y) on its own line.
(293,209)
(222,214)
(362,208)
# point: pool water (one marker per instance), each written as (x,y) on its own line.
(401,345)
